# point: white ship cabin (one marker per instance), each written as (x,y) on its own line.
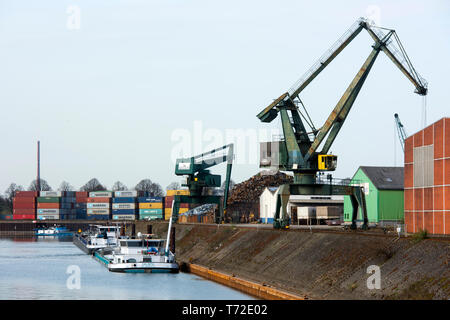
(105,235)
(142,246)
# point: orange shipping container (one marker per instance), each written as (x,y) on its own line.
(48,205)
(99,199)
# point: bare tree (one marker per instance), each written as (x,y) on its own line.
(10,193)
(119,186)
(44,186)
(65,186)
(154,189)
(93,185)
(173,186)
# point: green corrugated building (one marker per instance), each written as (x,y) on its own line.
(383,188)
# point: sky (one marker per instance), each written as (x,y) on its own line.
(116,90)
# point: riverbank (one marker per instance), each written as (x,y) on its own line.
(318,265)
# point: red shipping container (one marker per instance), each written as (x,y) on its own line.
(26,194)
(48,205)
(81,194)
(24,217)
(20,205)
(81,199)
(99,199)
(24,211)
(24,199)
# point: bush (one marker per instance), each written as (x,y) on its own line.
(419,236)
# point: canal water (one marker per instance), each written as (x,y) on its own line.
(38,268)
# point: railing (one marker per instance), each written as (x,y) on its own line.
(321,179)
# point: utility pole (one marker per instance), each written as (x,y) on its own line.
(38,180)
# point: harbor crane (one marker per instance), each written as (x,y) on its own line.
(198,178)
(298,150)
(401,131)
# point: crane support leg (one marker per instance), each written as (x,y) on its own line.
(359,201)
(281,217)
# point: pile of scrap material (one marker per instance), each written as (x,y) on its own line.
(251,189)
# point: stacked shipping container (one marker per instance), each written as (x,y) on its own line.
(24,205)
(99,205)
(81,205)
(124,205)
(150,208)
(427,179)
(184,207)
(48,205)
(56,205)
(67,206)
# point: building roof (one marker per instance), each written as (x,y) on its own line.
(385,178)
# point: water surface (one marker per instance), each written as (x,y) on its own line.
(36,268)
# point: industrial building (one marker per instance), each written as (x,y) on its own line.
(303,209)
(427,179)
(383,190)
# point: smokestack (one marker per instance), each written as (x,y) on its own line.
(38,180)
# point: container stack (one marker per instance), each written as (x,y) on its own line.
(81,205)
(48,205)
(99,205)
(67,205)
(150,208)
(24,205)
(170,196)
(124,205)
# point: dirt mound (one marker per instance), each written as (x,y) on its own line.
(250,190)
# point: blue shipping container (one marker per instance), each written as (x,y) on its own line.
(149,199)
(81,205)
(98,217)
(124,200)
(124,211)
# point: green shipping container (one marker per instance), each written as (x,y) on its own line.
(48,199)
(151,211)
(383,189)
(144,216)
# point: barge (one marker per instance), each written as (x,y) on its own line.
(97,237)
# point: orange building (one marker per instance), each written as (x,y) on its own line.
(427,179)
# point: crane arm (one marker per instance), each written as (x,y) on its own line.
(339,114)
(401,131)
(336,119)
(327,57)
(399,57)
(270,112)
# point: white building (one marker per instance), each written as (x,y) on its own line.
(268,204)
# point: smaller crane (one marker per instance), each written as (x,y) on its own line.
(198,178)
(401,131)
